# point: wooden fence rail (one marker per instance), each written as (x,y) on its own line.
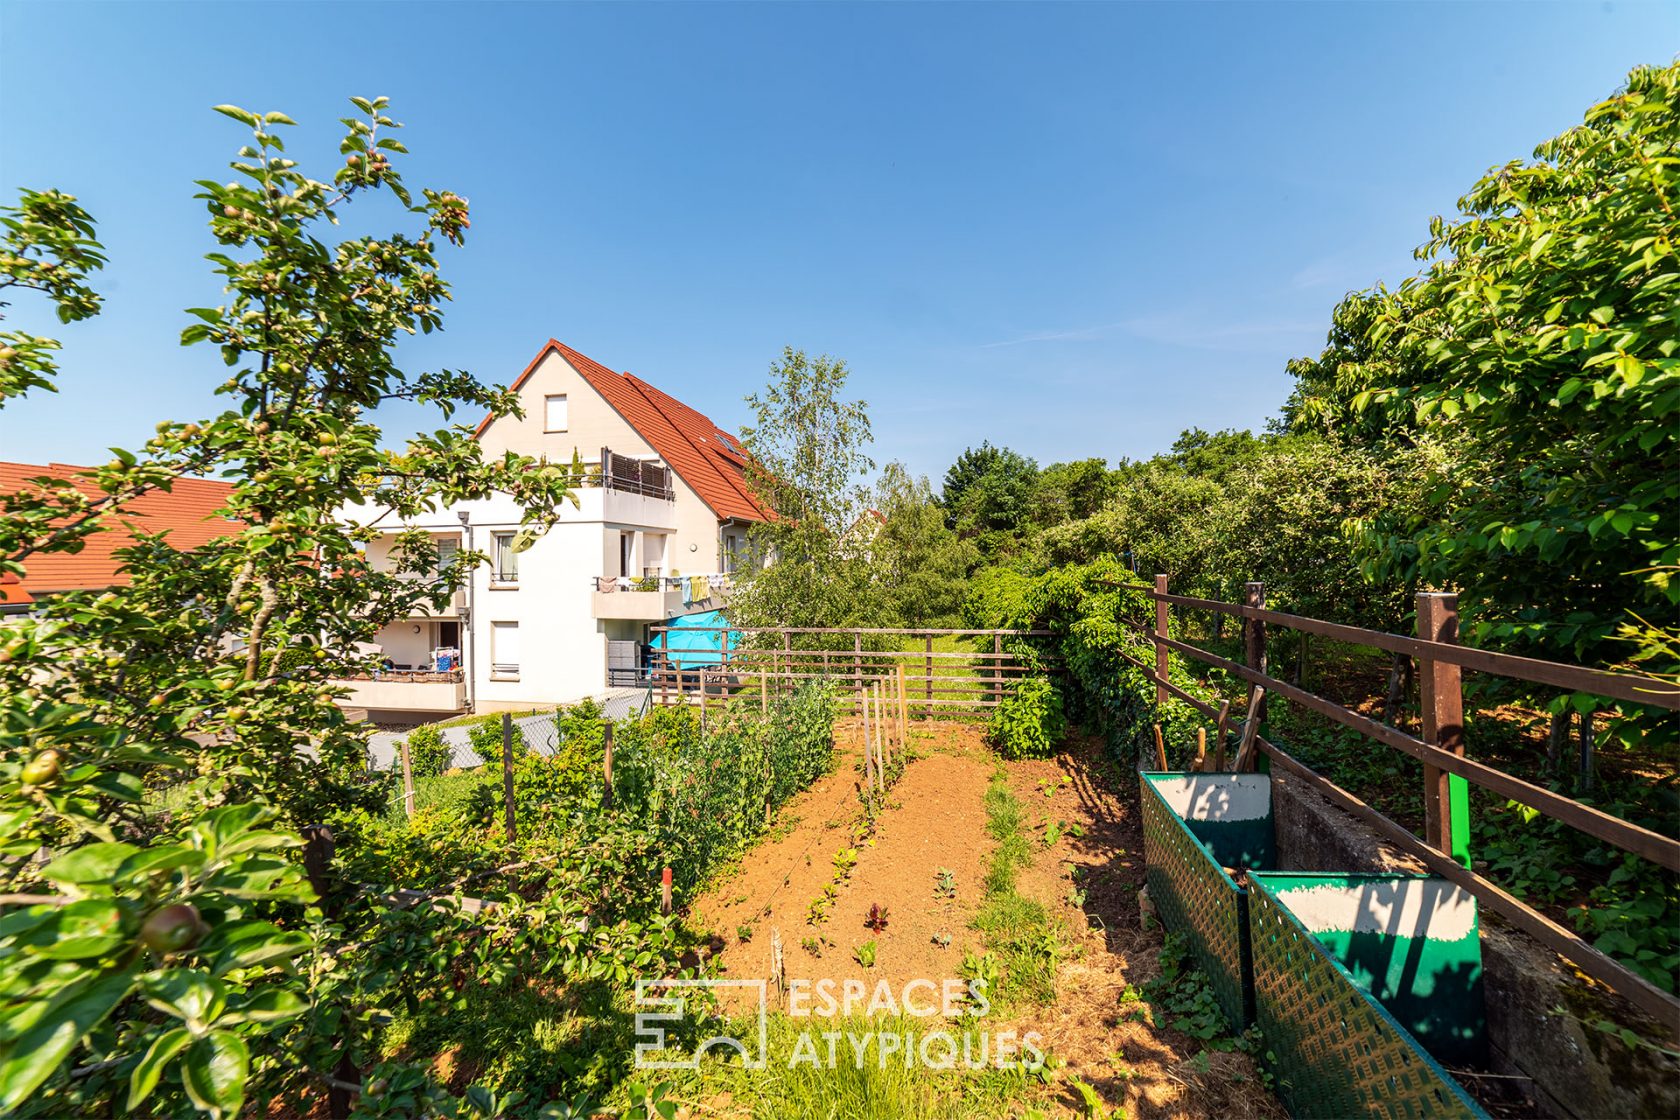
(778,659)
(1441,748)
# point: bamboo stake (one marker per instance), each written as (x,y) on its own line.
(408,783)
(607,765)
(1160,750)
(884,734)
(868,758)
(763,695)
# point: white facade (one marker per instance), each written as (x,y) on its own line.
(533,628)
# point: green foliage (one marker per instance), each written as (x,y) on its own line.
(1081,607)
(47,245)
(484,736)
(806,461)
(428,753)
(1028,942)
(1542,344)
(174,954)
(987,494)
(920,565)
(1028,721)
(1182,997)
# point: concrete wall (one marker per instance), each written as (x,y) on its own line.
(1535,1000)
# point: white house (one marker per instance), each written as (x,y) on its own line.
(662,522)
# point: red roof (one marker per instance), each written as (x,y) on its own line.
(12,593)
(190,511)
(705,456)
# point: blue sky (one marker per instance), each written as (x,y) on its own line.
(1074,230)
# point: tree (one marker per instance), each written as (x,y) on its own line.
(921,565)
(1071,491)
(806,464)
(987,493)
(213,669)
(1542,345)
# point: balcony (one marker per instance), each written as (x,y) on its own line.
(407,691)
(656,598)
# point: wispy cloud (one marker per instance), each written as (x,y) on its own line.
(1178,328)
(1076,334)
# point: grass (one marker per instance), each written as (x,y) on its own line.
(873,1088)
(1019,930)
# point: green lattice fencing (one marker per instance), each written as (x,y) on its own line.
(1361,982)
(1194,827)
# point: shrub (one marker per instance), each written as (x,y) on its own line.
(428,754)
(1028,722)
(485,738)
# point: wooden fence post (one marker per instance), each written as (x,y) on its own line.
(930,672)
(408,781)
(1446,797)
(1161,618)
(607,764)
(997,668)
(763,694)
(857,666)
(1254,595)
(507,774)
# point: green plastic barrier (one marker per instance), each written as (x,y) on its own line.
(1194,827)
(1364,985)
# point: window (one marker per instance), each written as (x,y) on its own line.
(506,560)
(504,649)
(626,548)
(446,550)
(653,554)
(554,413)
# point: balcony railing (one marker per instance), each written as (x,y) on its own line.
(704,586)
(633,476)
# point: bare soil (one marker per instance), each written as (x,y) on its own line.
(935,818)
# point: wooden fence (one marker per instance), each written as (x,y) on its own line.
(1441,748)
(940,678)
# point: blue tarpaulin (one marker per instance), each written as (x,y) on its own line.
(689,645)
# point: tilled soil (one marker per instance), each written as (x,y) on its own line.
(935,819)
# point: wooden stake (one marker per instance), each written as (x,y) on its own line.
(665,891)
(763,694)
(1222,728)
(882,734)
(507,774)
(1160,750)
(868,758)
(607,764)
(408,783)
(1161,619)
(1251,728)
(1200,760)
(903,709)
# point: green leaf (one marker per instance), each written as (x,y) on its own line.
(245,944)
(190,994)
(90,928)
(146,1074)
(92,863)
(42,1034)
(268,1006)
(237,114)
(215,1072)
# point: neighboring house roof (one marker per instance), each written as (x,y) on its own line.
(12,593)
(189,511)
(705,456)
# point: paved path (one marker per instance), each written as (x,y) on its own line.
(538,730)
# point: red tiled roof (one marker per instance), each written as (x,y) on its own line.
(12,593)
(705,456)
(189,511)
